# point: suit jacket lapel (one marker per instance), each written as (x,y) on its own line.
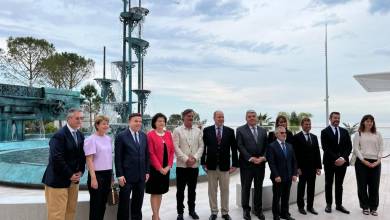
(131,138)
(249,130)
(70,136)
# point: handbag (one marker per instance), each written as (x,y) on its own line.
(113,196)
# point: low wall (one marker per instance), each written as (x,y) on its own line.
(267,192)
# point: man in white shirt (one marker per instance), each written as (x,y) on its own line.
(189,147)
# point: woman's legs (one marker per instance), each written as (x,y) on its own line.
(155,201)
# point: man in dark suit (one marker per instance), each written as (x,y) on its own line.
(336,144)
(66,166)
(219,141)
(307,152)
(252,144)
(283,166)
(132,168)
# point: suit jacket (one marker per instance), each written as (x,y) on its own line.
(332,149)
(65,158)
(272,137)
(131,159)
(156,149)
(307,154)
(248,147)
(219,155)
(280,165)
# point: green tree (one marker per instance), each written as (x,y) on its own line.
(352,129)
(66,70)
(175,120)
(22,62)
(265,121)
(294,119)
(92,101)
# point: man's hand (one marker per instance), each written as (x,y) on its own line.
(278,179)
(262,159)
(318,172)
(232,169)
(294,178)
(339,162)
(146,177)
(75,178)
(191,161)
(122,181)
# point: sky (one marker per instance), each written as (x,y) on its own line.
(230,55)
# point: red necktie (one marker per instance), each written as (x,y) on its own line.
(219,136)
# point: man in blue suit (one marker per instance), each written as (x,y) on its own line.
(283,165)
(66,166)
(132,168)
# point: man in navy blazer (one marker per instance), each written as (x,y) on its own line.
(283,165)
(220,147)
(132,168)
(66,166)
(337,146)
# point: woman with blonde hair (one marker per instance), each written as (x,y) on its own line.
(98,150)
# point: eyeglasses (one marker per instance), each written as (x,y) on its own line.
(282,132)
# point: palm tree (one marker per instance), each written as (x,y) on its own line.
(351,129)
(265,121)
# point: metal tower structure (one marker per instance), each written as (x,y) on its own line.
(132,19)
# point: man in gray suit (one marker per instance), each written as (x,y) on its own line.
(252,144)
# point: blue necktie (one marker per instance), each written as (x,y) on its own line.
(284,149)
(136,138)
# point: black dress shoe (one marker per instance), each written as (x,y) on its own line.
(328,208)
(342,209)
(287,217)
(180,217)
(246,215)
(302,211)
(226,217)
(312,211)
(213,217)
(260,215)
(194,215)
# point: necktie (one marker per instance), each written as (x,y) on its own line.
(219,136)
(336,133)
(284,149)
(255,133)
(136,138)
(308,138)
(74,134)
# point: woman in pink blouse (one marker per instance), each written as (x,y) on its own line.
(98,152)
(161,152)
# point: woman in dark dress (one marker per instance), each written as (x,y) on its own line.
(281,120)
(161,152)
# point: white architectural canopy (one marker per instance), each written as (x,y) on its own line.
(374,82)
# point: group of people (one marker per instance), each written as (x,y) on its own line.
(142,163)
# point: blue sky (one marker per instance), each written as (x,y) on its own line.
(232,55)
